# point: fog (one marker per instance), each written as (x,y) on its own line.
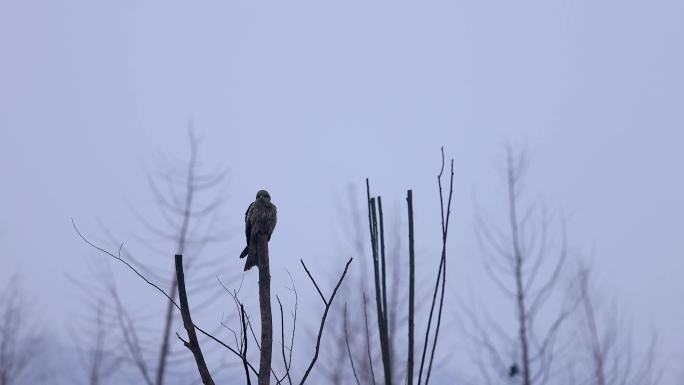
(306,100)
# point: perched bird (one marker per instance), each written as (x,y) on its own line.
(260,218)
(513,371)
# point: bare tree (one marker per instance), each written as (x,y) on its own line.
(358,345)
(524,258)
(191,328)
(20,338)
(604,346)
(394,363)
(192,342)
(188,196)
(98,359)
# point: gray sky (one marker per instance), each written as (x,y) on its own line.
(304,98)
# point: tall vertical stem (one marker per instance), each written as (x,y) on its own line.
(384,277)
(382,329)
(265,307)
(518,257)
(412,295)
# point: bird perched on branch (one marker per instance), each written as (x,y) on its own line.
(260,218)
(513,370)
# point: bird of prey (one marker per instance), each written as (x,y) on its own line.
(260,218)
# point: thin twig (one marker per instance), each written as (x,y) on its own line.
(294,324)
(244,343)
(368,345)
(445,233)
(346,339)
(314,282)
(282,341)
(325,315)
(441,276)
(118,258)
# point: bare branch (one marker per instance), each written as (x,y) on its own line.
(412,294)
(346,339)
(524,257)
(381,316)
(192,344)
(282,342)
(445,233)
(323,318)
(314,282)
(118,258)
(368,344)
(244,344)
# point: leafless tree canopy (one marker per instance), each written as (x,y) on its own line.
(393,334)
(188,196)
(384,352)
(20,338)
(605,345)
(524,254)
(178,297)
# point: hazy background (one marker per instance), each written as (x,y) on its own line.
(306,98)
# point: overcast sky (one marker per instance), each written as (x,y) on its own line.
(304,98)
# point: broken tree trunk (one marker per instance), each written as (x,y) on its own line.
(265,307)
(192,343)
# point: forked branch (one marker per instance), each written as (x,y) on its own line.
(328,303)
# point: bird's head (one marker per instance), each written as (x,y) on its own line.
(263,196)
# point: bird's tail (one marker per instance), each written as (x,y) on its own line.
(250,262)
(244,252)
